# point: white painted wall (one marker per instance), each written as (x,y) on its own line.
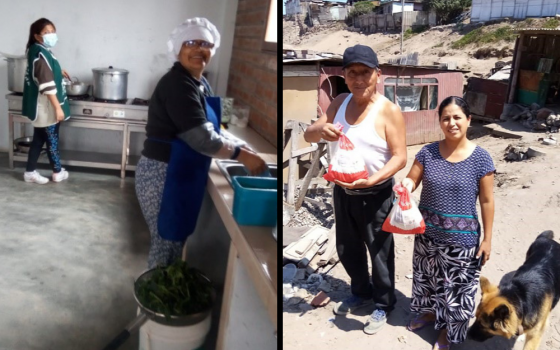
(484,10)
(397,7)
(129,34)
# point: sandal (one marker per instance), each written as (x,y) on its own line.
(442,346)
(417,320)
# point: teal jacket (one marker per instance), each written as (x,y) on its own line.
(31,89)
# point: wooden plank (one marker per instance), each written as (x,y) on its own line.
(515,69)
(306,150)
(308,176)
(292,234)
(499,131)
(330,249)
(315,202)
(293,169)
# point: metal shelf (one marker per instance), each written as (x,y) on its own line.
(79,158)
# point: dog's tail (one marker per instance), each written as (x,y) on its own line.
(546,234)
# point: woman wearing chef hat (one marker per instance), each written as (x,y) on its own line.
(183,135)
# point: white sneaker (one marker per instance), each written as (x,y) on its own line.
(34,176)
(61,176)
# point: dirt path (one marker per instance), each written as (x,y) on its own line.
(527,203)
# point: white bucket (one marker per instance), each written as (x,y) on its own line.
(155,336)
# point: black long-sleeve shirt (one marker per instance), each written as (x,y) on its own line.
(177,105)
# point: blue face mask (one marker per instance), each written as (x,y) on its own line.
(50,39)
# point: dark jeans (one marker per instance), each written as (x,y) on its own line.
(359,216)
(40,136)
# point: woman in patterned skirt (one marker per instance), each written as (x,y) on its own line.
(448,257)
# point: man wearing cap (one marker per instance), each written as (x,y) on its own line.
(376,127)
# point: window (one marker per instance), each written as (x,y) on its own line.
(412,94)
(271,34)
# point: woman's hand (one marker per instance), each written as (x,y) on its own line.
(252,162)
(59,114)
(66,75)
(330,133)
(484,251)
(408,184)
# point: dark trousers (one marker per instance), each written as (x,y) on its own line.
(40,136)
(359,216)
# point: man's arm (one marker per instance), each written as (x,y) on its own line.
(323,128)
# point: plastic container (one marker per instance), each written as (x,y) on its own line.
(254,200)
(241,114)
(289,272)
(155,336)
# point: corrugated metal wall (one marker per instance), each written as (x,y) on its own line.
(485,10)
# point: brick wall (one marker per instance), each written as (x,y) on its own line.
(253,73)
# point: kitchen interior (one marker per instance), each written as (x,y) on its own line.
(73,250)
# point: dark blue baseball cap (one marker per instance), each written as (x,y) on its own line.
(360,54)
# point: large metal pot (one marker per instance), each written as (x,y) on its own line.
(16,73)
(110,83)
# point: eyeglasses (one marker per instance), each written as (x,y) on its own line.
(199,43)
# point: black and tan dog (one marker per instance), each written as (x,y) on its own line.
(523,304)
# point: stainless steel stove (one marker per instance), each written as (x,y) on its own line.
(130,109)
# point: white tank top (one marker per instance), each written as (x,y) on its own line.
(367,142)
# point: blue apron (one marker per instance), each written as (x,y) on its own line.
(185,183)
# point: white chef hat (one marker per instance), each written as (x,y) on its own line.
(197,28)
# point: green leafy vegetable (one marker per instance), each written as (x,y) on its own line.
(176,290)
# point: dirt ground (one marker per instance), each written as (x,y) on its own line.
(433,46)
(527,202)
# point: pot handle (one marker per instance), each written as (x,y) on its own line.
(125,334)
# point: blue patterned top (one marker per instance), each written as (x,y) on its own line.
(449,194)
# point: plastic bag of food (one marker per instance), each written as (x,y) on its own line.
(347,165)
(405,217)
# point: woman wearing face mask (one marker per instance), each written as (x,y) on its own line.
(44,100)
(447,259)
(183,135)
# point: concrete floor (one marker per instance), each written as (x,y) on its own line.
(69,253)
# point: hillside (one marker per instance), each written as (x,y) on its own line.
(451,43)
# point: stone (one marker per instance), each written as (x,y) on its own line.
(539,126)
(321,299)
(535,152)
(543,113)
(325,286)
(301,293)
(294,300)
(549,142)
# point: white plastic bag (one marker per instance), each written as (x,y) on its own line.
(405,217)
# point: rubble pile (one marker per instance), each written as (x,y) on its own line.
(533,117)
(307,263)
(520,152)
(311,214)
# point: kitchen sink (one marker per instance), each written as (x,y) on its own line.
(232,168)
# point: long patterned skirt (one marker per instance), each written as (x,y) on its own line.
(445,280)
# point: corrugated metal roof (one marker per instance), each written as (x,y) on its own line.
(338,59)
(532,30)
